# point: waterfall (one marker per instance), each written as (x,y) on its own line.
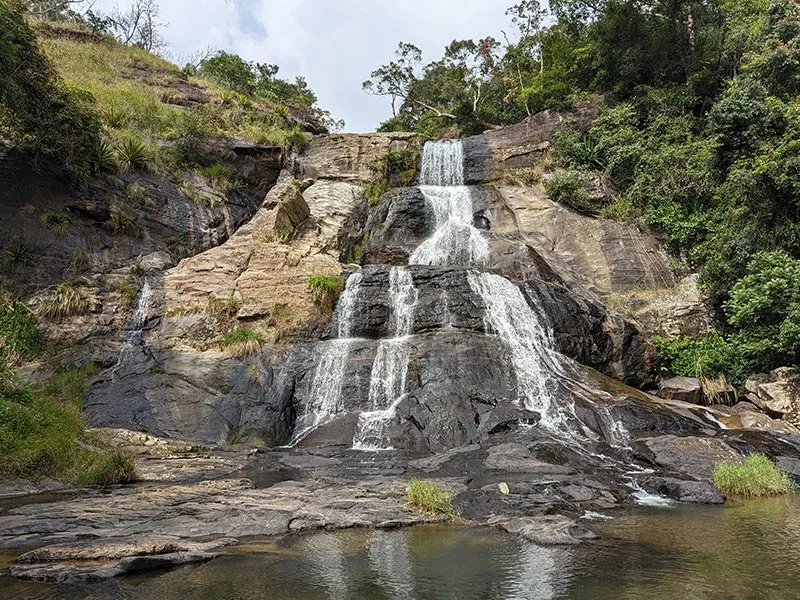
(443,163)
(390,367)
(528,341)
(325,396)
(135,330)
(455,240)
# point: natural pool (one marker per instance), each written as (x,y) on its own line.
(748,550)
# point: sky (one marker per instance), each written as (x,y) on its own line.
(335,44)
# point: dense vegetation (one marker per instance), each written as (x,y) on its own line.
(698,137)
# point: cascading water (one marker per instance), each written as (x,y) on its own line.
(138,320)
(442,163)
(326,386)
(390,367)
(528,341)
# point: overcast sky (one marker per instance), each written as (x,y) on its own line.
(335,44)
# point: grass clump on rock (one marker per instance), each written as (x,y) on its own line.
(429,497)
(324,290)
(755,476)
(242,343)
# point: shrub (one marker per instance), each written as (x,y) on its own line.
(568,189)
(38,108)
(242,343)
(220,177)
(297,139)
(429,497)
(133,154)
(56,222)
(42,433)
(19,335)
(65,300)
(138,194)
(324,290)
(755,476)
(709,356)
(127,294)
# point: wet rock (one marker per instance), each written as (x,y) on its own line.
(693,456)
(692,492)
(545,529)
(507,417)
(685,389)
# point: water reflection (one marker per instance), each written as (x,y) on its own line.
(736,552)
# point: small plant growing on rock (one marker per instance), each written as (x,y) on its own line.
(107,469)
(242,343)
(132,154)
(127,294)
(79,260)
(429,497)
(65,300)
(56,222)
(124,223)
(324,290)
(755,476)
(14,257)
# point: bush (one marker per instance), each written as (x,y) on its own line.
(755,476)
(65,300)
(242,343)
(124,223)
(42,433)
(19,335)
(568,189)
(324,290)
(38,108)
(709,356)
(429,497)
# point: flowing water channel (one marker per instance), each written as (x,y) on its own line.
(738,552)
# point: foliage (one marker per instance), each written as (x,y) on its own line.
(764,311)
(755,476)
(396,168)
(125,222)
(568,189)
(14,257)
(709,356)
(19,335)
(429,497)
(133,154)
(65,300)
(36,106)
(221,177)
(242,343)
(56,222)
(324,290)
(42,433)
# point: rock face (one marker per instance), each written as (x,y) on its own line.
(347,157)
(777,393)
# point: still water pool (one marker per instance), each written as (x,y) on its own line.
(742,551)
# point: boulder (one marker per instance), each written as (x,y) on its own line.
(691,455)
(686,389)
(692,492)
(777,393)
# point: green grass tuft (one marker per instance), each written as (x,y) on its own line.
(19,335)
(65,300)
(755,476)
(324,290)
(429,497)
(133,154)
(242,343)
(56,222)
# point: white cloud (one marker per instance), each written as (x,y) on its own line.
(335,44)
